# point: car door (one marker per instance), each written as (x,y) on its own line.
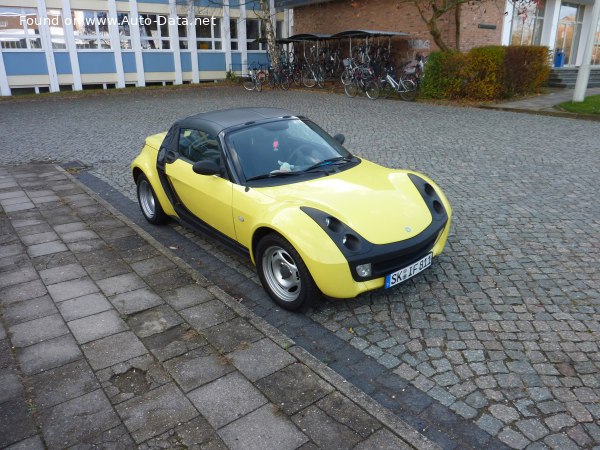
(206,197)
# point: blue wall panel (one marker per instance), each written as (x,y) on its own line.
(236,61)
(96,62)
(25,63)
(186,61)
(158,62)
(211,61)
(128,62)
(63,63)
(260,58)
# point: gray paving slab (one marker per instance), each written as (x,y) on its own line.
(15,422)
(77,420)
(113,349)
(121,283)
(324,430)
(11,385)
(155,412)
(38,330)
(207,314)
(63,383)
(136,300)
(47,248)
(48,354)
(62,273)
(18,276)
(383,440)
(197,367)
(227,399)
(29,310)
(153,321)
(232,335)
(86,305)
(72,289)
(23,291)
(187,296)
(260,359)
(90,328)
(263,429)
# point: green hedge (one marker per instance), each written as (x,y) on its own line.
(485,73)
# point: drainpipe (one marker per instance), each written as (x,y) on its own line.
(583,75)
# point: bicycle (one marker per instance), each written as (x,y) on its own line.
(363,79)
(251,81)
(405,88)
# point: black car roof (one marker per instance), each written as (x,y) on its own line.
(217,121)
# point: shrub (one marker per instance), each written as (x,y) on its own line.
(442,77)
(486,73)
(527,69)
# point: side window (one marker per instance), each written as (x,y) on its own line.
(197,145)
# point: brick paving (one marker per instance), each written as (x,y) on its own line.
(502,332)
(177,365)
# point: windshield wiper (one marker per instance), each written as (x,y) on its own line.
(272,175)
(328,162)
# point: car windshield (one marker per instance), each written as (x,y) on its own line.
(283,147)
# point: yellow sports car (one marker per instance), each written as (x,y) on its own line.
(312,217)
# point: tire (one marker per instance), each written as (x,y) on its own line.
(346,77)
(410,93)
(351,89)
(372,89)
(308,78)
(249,84)
(386,89)
(148,202)
(283,274)
(285,82)
(258,85)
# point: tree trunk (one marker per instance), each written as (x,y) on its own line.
(457,25)
(270,34)
(436,34)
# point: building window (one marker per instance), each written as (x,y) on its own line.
(57,31)
(527,22)
(182,30)
(154,32)
(279,29)
(19,29)
(596,49)
(255,30)
(233,33)
(208,33)
(91,29)
(124,30)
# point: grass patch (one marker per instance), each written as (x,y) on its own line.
(590,105)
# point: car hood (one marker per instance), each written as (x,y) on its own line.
(380,204)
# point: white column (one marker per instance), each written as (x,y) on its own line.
(47,45)
(291,22)
(134,29)
(583,75)
(585,29)
(174,33)
(70,40)
(4,86)
(551,17)
(192,42)
(507,22)
(115,42)
(286,23)
(242,41)
(226,35)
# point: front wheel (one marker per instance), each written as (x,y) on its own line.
(351,89)
(283,274)
(149,204)
(372,89)
(249,84)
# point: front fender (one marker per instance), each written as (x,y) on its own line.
(146,163)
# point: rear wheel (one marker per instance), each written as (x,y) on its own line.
(308,78)
(410,91)
(372,89)
(149,204)
(283,274)
(249,83)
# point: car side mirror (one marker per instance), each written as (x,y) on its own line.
(206,168)
(340,138)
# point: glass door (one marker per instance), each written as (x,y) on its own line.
(569,31)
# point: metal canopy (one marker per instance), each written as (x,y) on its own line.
(366,33)
(309,37)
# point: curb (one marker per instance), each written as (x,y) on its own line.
(563,114)
(405,431)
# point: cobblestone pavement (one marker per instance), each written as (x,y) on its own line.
(504,328)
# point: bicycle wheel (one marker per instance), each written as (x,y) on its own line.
(346,77)
(320,75)
(258,85)
(248,83)
(386,89)
(284,81)
(308,78)
(408,92)
(372,89)
(351,89)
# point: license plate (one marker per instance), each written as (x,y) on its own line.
(405,273)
